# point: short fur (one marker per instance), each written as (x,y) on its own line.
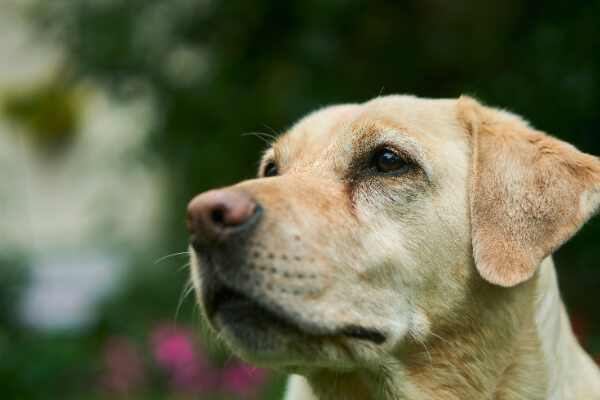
(449,259)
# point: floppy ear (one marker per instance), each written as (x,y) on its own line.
(529,192)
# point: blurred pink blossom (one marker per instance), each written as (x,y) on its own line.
(124,372)
(242,380)
(174,350)
(184,360)
(191,370)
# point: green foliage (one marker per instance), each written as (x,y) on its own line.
(13,278)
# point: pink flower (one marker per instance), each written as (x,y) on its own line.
(172,346)
(191,371)
(243,380)
(174,350)
(124,373)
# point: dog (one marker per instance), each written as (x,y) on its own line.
(401,249)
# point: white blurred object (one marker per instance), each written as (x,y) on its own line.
(78,216)
(22,55)
(64,290)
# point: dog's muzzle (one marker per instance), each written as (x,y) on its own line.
(221,222)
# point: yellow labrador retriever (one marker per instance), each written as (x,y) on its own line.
(401,249)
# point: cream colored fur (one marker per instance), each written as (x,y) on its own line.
(449,259)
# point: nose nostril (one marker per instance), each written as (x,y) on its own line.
(217,216)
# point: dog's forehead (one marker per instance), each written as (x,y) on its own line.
(343,129)
(318,129)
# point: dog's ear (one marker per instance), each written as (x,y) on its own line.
(528,192)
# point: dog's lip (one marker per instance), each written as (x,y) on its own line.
(231,302)
(227,299)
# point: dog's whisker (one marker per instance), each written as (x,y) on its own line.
(271,136)
(214,338)
(265,137)
(426,349)
(184,266)
(188,288)
(171,255)
(275,133)
(454,367)
(437,336)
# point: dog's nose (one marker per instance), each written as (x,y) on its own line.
(218,214)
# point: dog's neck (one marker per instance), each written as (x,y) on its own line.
(511,345)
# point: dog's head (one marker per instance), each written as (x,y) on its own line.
(371,223)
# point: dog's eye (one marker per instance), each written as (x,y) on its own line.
(270,169)
(385,160)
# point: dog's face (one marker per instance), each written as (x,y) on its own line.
(358,235)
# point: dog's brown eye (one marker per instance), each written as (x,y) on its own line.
(270,169)
(386,160)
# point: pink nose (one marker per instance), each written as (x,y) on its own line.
(218,214)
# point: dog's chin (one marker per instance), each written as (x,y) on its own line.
(248,326)
(254,331)
(268,336)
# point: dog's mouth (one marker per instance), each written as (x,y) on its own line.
(225,300)
(237,311)
(231,305)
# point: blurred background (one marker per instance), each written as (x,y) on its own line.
(114,113)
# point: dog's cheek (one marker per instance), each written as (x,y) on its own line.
(425,257)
